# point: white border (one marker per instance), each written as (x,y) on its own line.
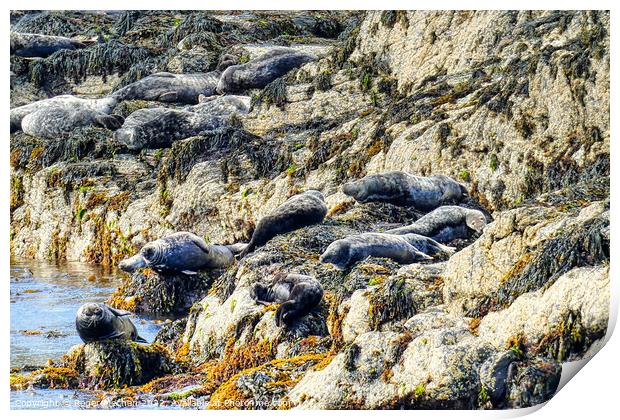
(591,394)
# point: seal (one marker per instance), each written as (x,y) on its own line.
(259,72)
(160,127)
(297,294)
(446,223)
(53,117)
(98,321)
(305,209)
(170,87)
(403,189)
(344,253)
(37,45)
(181,252)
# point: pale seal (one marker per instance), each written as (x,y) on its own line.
(160,127)
(344,253)
(261,71)
(446,223)
(297,294)
(305,209)
(53,117)
(97,321)
(37,45)
(403,189)
(180,252)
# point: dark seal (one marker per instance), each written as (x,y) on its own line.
(97,321)
(446,223)
(403,189)
(344,253)
(259,72)
(297,294)
(160,127)
(305,209)
(170,87)
(180,252)
(37,45)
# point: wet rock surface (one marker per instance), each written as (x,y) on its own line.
(513,105)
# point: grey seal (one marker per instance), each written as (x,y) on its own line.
(181,252)
(37,45)
(160,127)
(404,249)
(304,209)
(446,223)
(170,87)
(403,189)
(98,321)
(53,117)
(297,294)
(261,71)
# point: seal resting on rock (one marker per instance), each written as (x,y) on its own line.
(53,117)
(305,209)
(97,321)
(160,127)
(298,295)
(446,223)
(181,252)
(169,87)
(403,189)
(261,71)
(38,45)
(404,249)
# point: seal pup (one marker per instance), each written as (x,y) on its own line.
(170,87)
(181,252)
(297,294)
(261,71)
(403,189)
(38,45)
(160,127)
(446,223)
(98,321)
(51,117)
(305,209)
(344,253)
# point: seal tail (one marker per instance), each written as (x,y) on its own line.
(249,248)
(237,248)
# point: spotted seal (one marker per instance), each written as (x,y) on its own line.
(97,321)
(170,87)
(57,116)
(160,127)
(180,252)
(305,209)
(261,71)
(403,189)
(297,295)
(403,249)
(38,45)
(446,223)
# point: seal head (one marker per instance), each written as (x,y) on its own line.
(97,321)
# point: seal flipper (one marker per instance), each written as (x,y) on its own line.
(111,122)
(140,340)
(118,312)
(200,243)
(169,97)
(163,74)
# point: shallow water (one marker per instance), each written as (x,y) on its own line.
(44,300)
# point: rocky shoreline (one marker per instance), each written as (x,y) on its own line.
(515,105)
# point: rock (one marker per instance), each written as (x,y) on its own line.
(149,292)
(560,322)
(116,363)
(523,250)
